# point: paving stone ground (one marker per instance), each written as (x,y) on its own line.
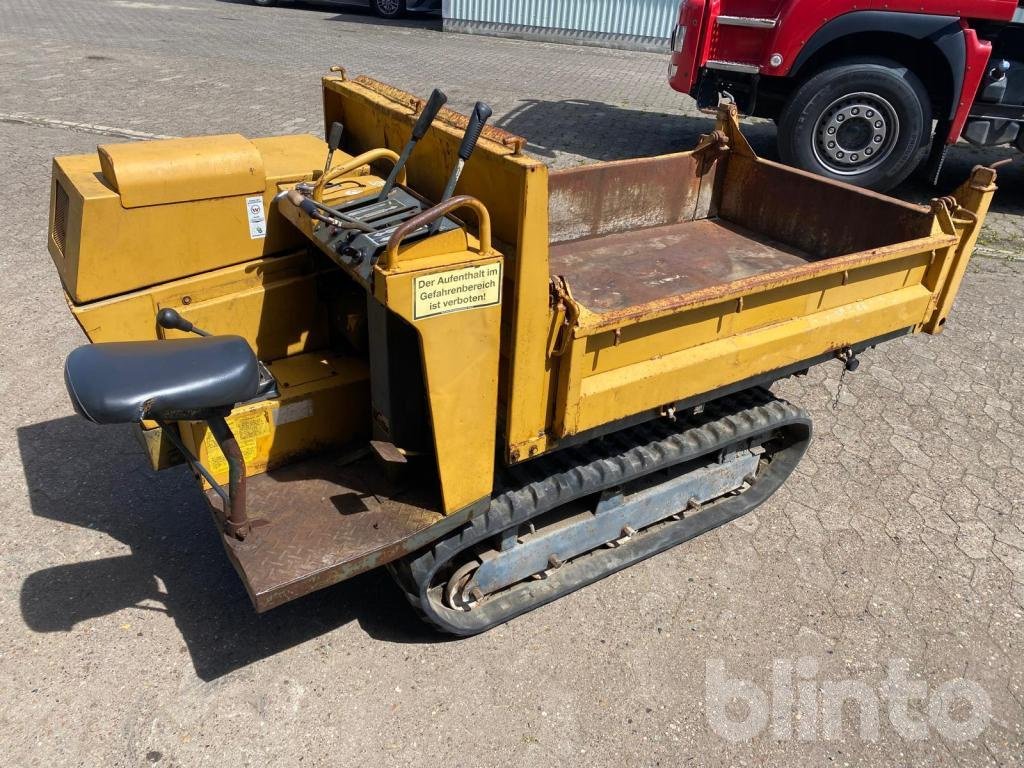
(125,638)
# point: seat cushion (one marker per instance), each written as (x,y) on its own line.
(130,381)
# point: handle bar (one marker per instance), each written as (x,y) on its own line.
(483,218)
(367,157)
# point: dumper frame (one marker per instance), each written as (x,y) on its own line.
(631,315)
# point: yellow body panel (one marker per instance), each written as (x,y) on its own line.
(197,168)
(102,248)
(271,302)
(460,364)
(322,406)
(160,450)
(664,380)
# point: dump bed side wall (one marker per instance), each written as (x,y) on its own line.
(601,199)
(824,220)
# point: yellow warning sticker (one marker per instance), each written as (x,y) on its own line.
(251,452)
(250,430)
(456,290)
(250,425)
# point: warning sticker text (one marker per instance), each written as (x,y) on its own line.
(455,290)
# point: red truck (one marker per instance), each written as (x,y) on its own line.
(861,90)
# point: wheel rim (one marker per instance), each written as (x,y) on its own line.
(388,7)
(856,133)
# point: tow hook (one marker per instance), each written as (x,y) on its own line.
(849,358)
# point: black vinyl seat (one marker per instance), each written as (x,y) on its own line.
(119,382)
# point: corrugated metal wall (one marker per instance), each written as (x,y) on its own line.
(643,24)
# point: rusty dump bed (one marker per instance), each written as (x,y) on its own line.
(708,271)
(644,234)
(625,269)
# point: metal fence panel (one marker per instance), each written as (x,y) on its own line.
(645,24)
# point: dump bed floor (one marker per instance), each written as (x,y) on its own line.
(324,519)
(627,269)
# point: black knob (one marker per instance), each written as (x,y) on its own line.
(477,120)
(430,110)
(334,137)
(169,318)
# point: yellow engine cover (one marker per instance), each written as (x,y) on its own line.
(141,214)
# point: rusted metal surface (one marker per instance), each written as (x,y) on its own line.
(822,217)
(631,194)
(760,283)
(447,116)
(322,521)
(635,268)
(236,520)
(429,216)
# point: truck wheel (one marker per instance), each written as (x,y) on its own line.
(388,9)
(864,121)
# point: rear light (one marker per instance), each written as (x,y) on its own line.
(684,42)
(678,38)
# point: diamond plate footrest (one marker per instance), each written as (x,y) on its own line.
(322,521)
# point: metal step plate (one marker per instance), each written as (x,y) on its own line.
(322,521)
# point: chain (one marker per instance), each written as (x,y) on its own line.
(850,363)
(839,389)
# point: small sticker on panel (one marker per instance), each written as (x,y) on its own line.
(456,290)
(257,217)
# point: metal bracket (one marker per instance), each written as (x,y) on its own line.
(567,314)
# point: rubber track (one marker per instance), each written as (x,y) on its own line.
(553,480)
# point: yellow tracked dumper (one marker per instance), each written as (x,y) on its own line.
(415,346)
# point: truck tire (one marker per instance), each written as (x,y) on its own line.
(388,9)
(865,121)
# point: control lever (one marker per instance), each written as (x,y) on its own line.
(170,319)
(324,213)
(333,142)
(433,106)
(479,118)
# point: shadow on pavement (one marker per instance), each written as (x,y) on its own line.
(600,131)
(957,167)
(95,477)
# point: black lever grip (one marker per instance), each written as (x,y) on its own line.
(169,318)
(433,106)
(481,113)
(334,139)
